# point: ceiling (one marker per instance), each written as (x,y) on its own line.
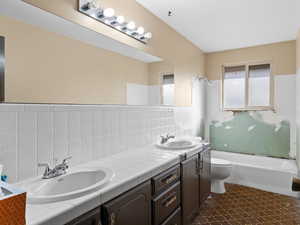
(32,15)
(217,25)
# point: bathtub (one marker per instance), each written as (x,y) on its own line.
(265,173)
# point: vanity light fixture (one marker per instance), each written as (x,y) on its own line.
(141,30)
(148,35)
(120,19)
(109,13)
(131,25)
(93,9)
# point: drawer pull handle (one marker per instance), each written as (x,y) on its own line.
(201,162)
(170,179)
(170,201)
(112,219)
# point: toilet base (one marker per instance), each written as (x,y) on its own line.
(218,186)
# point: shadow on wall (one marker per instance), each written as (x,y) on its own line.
(247,133)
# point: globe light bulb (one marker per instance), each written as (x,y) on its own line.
(141,30)
(109,12)
(148,35)
(120,19)
(131,25)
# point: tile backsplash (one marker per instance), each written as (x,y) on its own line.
(32,134)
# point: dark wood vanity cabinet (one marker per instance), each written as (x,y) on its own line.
(173,197)
(165,180)
(190,189)
(195,181)
(165,204)
(131,208)
(205,174)
(90,218)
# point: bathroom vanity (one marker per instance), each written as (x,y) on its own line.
(170,197)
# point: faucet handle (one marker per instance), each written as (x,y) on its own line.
(65,160)
(43,165)
(47,168)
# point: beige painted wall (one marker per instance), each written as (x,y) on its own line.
(43,67)
(188,60)
(282,55)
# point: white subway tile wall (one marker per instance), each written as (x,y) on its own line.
(32,133)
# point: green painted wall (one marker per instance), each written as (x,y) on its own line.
(249,134)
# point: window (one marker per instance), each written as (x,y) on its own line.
(247,87)
(168,89)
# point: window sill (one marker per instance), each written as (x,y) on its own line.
(267,108)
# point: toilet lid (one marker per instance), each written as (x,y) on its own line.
(223,162)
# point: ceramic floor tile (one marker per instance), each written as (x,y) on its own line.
(248,206)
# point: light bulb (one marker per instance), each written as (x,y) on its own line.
(94,4)
(131,25)
(109,12)
(120,19)
(141,30)
(148,35)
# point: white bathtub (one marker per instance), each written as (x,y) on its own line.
(265,173)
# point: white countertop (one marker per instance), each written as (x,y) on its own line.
(131,168)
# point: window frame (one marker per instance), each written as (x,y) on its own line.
(247,107)
(161,83)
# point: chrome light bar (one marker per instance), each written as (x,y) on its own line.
(93,9)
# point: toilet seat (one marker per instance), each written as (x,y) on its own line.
(220,162)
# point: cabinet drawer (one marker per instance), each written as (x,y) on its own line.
(174,219)
(165,180)
(166,203)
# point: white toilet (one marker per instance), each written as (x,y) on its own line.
(220,170)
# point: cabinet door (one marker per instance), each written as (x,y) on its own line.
(90,218)
(205,174)
(131,208)
(190,189)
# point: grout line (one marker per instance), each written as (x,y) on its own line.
(68,133)
(93,133)
(52,122)
(36,142)
(80,138)
(17,146)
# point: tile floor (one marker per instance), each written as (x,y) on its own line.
(248,206)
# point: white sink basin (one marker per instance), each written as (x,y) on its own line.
(177,144)
(71,185)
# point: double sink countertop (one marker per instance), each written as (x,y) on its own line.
(131,168)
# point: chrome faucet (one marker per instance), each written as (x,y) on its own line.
(58,170)
(165,139)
